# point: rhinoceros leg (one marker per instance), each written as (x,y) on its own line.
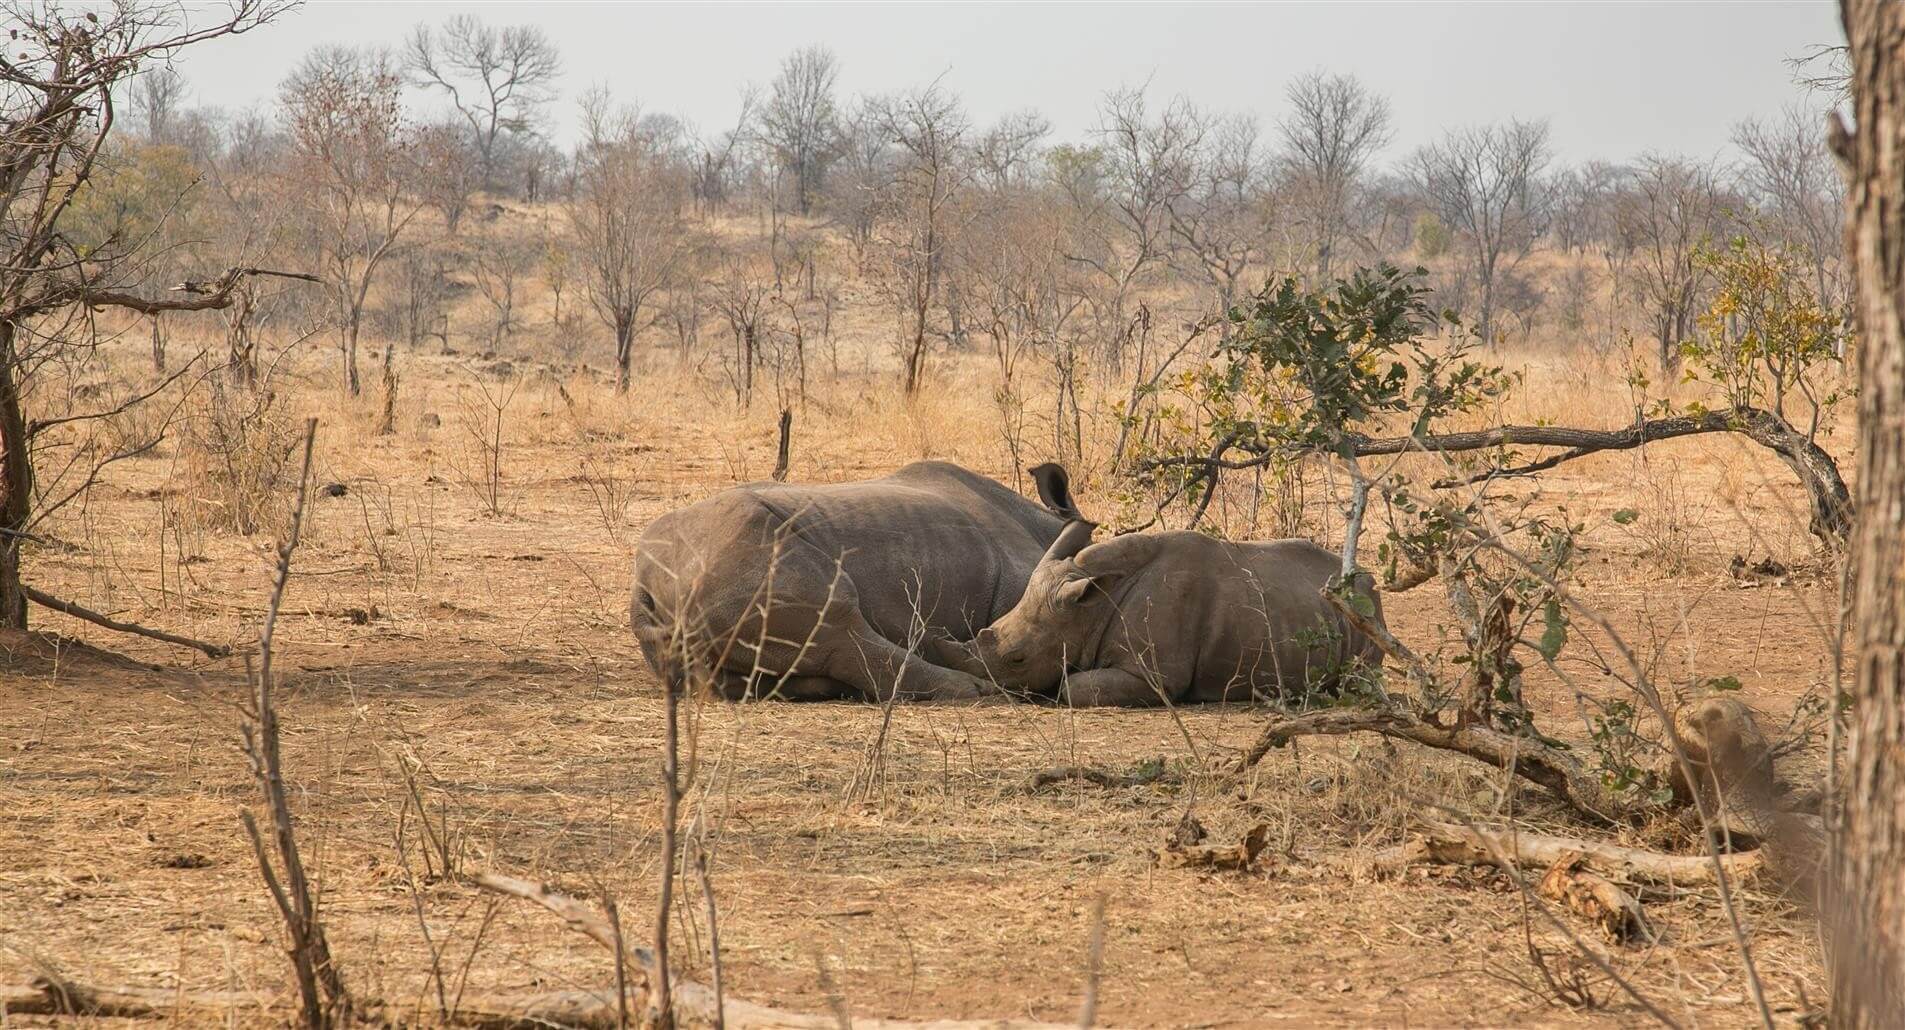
(730,685)
(1109,688)
(814,688)
(953,654)
(877,667)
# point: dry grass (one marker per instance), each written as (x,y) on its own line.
(483,648)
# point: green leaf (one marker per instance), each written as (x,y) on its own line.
(1724,683)
(1554,634)
(1626,516)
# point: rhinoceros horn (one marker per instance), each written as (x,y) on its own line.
(1072,539)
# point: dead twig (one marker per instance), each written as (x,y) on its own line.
(1594,898)
(46,600)
(786,441)
(320,984)
(1148,773)
(1450,844)
(1094,965)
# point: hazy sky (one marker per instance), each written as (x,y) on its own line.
(1614,78)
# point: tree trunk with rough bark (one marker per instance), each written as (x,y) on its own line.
(1866,912)
(352,381)
(158,346)
(16,484)
(624,352)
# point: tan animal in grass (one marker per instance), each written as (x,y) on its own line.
(845,590)
(1168,618)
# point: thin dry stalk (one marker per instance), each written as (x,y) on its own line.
(714,930)
(320,983)
(786,441)
(670,809)
(621,961)
(1094,965)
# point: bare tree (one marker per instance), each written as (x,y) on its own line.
(1671,206)
(449,170)
(157,95)
(57,114)
(1334,128)
(350,162)
(627,219)
(1007,154)
(1220,223)
(1866,900)
(1016,281)
(800,121)
(1122,193)
(716,158)
(498,79)
(500,263)
(860,175)
(741,297)
(1485,183)
(1790,176)
(929,126)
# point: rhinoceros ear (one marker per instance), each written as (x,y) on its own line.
(1055,490)
(1073,591)
(1071,540)
(1120,555)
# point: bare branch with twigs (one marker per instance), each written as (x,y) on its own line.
(320,983)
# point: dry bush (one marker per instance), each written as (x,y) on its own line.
(481,420)
(594,411)
(610,494)
(1668,519)
(237,459)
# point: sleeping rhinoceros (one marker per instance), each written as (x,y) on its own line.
(844,590)
(1164,618)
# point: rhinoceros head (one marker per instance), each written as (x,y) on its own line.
(1030,646)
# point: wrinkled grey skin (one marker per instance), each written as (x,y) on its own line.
(842,590)
(1171,618)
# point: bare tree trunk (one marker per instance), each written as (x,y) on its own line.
(624,352)
(1866,914)
(241,358)
(16,485)
(749,356)
(388,423)
(158,346)
(351,380)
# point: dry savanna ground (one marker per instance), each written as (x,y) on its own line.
(861,865)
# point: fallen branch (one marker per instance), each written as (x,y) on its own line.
(46,600)
(596,1010)
(1596,899)
(576,915)
(1085,773)
(1238,857)
(46,998)
(1549,768)
(1450,844)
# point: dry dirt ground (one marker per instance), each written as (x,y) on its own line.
(898,869)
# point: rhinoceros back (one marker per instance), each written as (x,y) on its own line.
(931,546)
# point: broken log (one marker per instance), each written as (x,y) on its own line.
(1451,844)
(1595,898)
